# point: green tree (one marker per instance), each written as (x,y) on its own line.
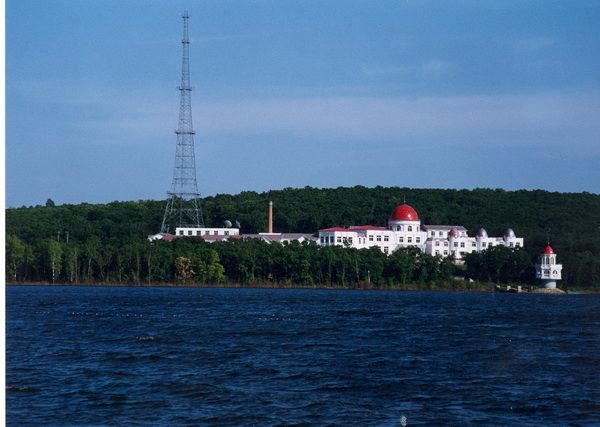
(215,273)
(71,253)
(54,256)
(15,255)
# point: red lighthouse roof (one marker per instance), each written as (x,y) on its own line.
(404,213)
(548,250)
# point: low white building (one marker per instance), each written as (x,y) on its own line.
(281,237)
(207,233)
(405,229)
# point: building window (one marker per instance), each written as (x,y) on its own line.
(181,232)
(379,238)
(437,252)
(445,252)
(206,232)
(441,234)
(418,240)
(409,239)
(446,244)
(370,238)
(386,239)
(417,228)
(512,244)
(227,232)
(386,249)
(189,232)
(517,244)
(216,233)
(350,240)
(401,239)
(339,239)
(437,242)
(410,228)
(197,232)
(456,244)
(462,244)
(322,239)
(483,244)
(473,244)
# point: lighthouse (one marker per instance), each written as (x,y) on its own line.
(547,270)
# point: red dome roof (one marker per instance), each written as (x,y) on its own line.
(404,213)
(548,250)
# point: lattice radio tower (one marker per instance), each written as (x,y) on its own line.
(183,206)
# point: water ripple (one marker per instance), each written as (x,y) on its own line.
(138,356)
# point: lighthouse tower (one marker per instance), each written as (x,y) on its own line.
(547,270)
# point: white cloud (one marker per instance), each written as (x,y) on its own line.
(383,70)
(435,66)
(568,117)
(225,37)
(432,66)
(372,117)
(528,45)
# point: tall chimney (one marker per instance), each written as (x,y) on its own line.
(271,217)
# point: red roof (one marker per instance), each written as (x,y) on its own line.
(335,229)
(366,228)
(548,250)
(404,213)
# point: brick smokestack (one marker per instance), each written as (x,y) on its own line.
(270,217)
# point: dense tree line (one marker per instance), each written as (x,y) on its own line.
(245,262)
(77,243)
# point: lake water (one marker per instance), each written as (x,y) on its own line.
(166,356)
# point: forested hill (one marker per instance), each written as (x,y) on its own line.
(570,220)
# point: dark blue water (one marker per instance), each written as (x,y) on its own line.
(140,356)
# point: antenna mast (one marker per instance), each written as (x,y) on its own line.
(183,205)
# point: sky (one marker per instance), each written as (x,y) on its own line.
(423,94)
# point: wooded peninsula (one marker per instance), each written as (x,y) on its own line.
(107,243)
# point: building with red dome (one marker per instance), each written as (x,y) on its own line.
(405,230)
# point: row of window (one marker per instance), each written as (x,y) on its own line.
(474,244)
(409,239)
(198,233)
(408,228)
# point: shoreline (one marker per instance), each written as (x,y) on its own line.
(411,287)
(485,288)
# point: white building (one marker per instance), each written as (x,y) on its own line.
(207,233)
(405,229)
(547,270)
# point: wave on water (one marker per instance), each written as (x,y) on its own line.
(298,357)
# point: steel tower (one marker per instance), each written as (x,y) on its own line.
(183,205)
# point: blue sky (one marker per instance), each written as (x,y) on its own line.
(454,94)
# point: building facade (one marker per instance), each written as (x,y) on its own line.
(405,230)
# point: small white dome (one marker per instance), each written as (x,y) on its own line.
(509,233)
